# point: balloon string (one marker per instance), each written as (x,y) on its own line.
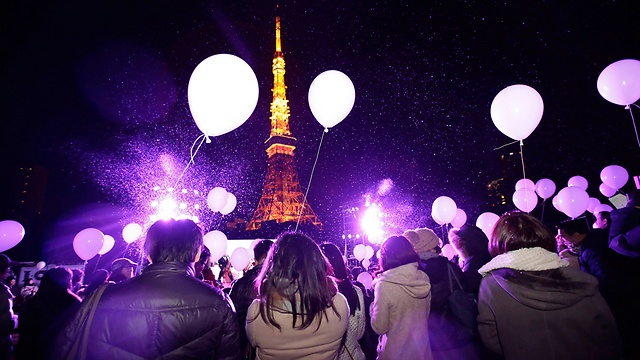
(202,138)
(304,200)
(544,202)
(634,123)
(522,158)
(511,143)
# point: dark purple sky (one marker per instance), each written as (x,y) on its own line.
(95,92)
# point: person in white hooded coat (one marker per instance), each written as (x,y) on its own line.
(400,309)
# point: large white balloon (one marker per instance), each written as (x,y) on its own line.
(573,201)
(11,233)
(615,176)
(217,198)
(516,111)
(486,221)
(230,205)
(444,209)
(40,265)
(131,233)
(107,245)
(88,242)
(223,92)
(216,242)
(331,97)
(619,82)
(525,199)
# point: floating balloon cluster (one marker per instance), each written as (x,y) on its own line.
(445,211)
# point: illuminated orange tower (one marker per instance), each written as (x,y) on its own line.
(282,197)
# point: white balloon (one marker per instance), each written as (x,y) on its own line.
(366,263)
(525,183)
(460,219)
(216,242)
(579,182)
(40,265)
(230,205)
(359,252)
(240,258)
(525,199)
(87,243)
(131,233)
(573,201)
(593,202)
(217,198)
(448,251)
(11,233)
(223,92)
(545,188)
(619,82)
(516,111)
(602,207)
(365,279)
(486,221)
(369,253)
(107,245)
(331,97)
(443,209)
(606,190)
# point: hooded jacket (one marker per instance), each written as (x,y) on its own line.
(552,314)
(165,312)
(400,311)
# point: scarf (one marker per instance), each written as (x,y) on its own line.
(527,259)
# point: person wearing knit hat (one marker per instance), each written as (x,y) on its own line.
(442,276)
(424,241)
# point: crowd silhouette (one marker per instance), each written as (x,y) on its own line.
(521,293)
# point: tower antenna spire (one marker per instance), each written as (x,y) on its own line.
(278,47)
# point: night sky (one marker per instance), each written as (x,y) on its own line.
(95,92)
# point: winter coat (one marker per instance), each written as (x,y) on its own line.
(243,292)
(312,343)
(470,268)
(552,314)
(399,313)
(41,318)
(624,233)
(164,312)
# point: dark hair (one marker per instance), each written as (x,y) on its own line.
(519,230)
(333,254)
(397,251)
(95,280)
(77,275)
(470,240)
(55,280)
(261,249)
(205,254)
(605,215)
(173,240)
(574,226)
(296,270)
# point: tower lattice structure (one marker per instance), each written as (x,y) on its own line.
(282,197)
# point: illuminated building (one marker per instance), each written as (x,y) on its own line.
(282,197)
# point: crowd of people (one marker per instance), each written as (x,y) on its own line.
(522,293)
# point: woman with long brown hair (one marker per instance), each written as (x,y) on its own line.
(299,313)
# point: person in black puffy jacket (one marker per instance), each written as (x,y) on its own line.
(165,312)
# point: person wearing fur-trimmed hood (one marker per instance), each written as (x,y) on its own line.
(532,305)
